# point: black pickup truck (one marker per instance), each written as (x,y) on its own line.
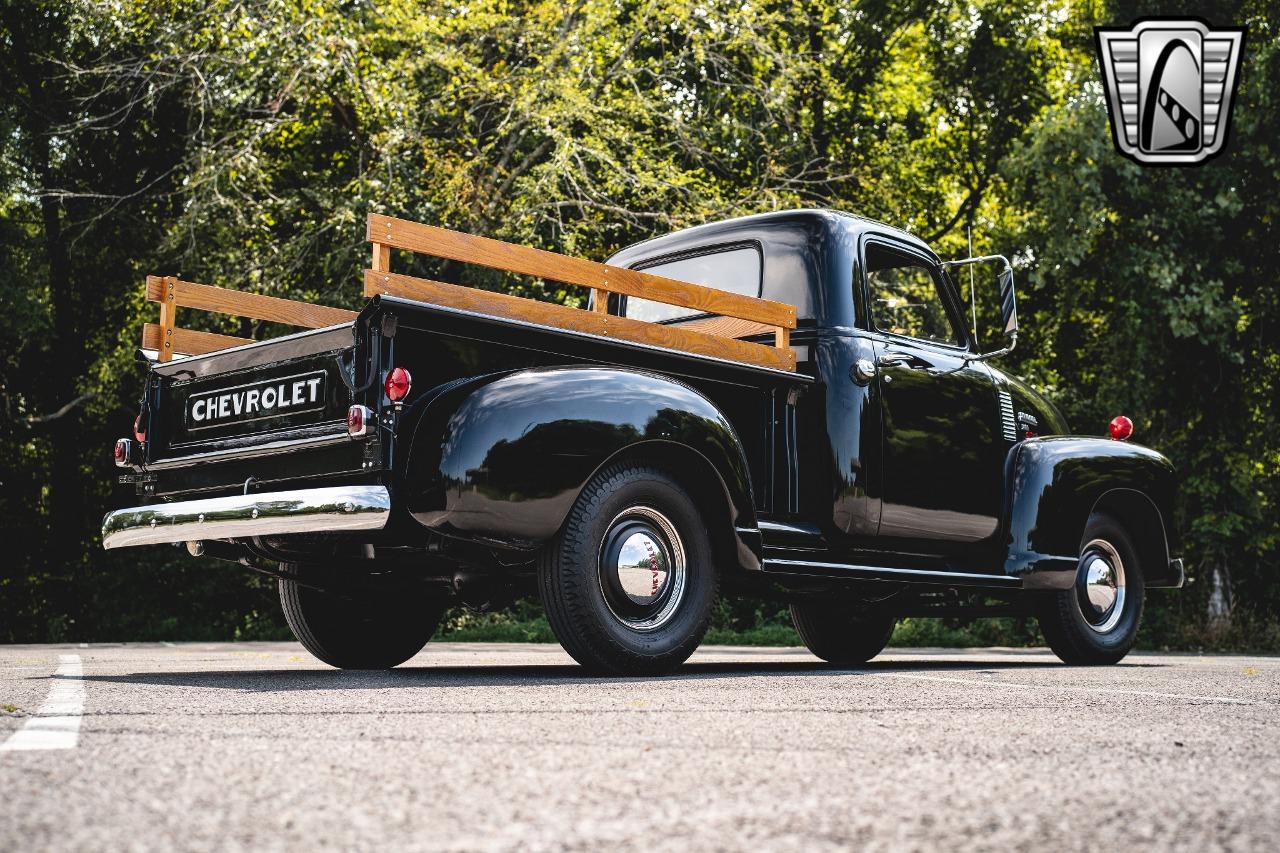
(421,454)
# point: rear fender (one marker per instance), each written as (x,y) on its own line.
(1057,482)
(505,461)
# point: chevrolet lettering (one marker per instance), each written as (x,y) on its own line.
(801,406)
(289,395)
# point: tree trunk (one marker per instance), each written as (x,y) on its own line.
(1221,601)
(65,366)
(819,140)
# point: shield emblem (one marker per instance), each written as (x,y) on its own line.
(1169,84)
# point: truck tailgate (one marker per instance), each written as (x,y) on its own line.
(252,402)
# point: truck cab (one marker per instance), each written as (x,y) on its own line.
(895,471)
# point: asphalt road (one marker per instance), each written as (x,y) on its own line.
(494,747)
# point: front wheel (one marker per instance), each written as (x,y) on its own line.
(842,635)
(1096,621)
(360,628)
(629,584)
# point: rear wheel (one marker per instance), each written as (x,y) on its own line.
(1096,621)
(842,635)
(358,629)
(629,585)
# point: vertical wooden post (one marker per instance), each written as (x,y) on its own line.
(781,337)
(381,257)
(168,316)
(599,295)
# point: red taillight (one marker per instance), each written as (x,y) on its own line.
(121,452)
(1120,428)
(397,384)
(359,419)
(139,431)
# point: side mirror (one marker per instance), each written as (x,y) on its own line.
(1008,301)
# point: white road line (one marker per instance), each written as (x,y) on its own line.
(57,724)
(1224,700)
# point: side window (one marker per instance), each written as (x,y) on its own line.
(736,270)
(906,297)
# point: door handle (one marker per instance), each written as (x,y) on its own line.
(905,359)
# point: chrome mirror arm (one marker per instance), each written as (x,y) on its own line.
(987,356)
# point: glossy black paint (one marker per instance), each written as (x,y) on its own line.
(506,461)
(290,450)
(1055,483)
(819,476)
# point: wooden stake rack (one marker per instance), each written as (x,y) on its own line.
(736,316)
(168,339)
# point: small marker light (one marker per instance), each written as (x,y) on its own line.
(121,453)
(359,419)
(1120,428)
(397,385)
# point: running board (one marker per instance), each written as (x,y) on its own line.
(885,573)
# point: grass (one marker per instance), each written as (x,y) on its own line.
(526,624)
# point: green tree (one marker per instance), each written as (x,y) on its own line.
(242,142)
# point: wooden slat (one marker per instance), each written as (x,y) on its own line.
(727,327)
(155,287)
(258,307)
(574,319)
(600,301)
(468,248)
(188,341)
(255,306)
(168,318)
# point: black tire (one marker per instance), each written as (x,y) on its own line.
(842,635)
(358,629)
(588,608)
(1090,640)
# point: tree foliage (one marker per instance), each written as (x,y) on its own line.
(241,142)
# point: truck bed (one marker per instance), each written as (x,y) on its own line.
(310,446)
(225,414)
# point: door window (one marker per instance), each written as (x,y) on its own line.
(906,297)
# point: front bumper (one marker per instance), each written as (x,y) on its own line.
(326,510)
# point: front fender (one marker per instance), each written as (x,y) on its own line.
(506,460)
(1054,485)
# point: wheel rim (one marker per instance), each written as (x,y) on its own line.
(642,568)
(1100,585)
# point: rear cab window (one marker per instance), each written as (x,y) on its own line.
(735,269)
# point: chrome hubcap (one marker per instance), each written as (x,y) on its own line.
(642,568)
(1100,586)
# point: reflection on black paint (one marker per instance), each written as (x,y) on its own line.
(514,454)
(943,454)
(533,465)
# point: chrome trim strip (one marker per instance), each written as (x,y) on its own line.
(785,527)
(248,452)
(330,509)
(920,574)
(1007,425)
(179,362)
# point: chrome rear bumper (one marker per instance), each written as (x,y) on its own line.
(333,509)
